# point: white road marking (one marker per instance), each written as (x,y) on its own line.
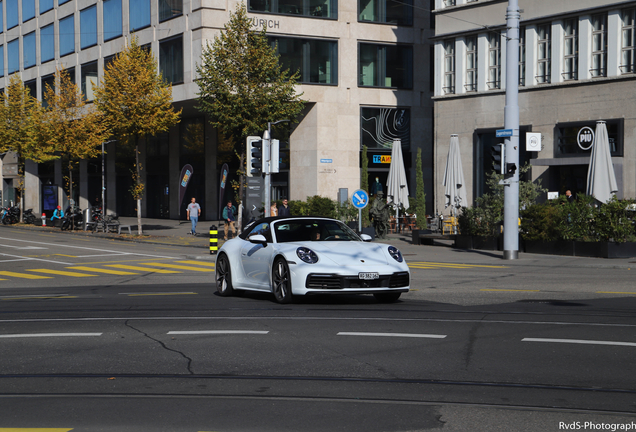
(20,258)
(411,335)
(22,247)
(196,332)
(31,335)
(37,295)
(579,341)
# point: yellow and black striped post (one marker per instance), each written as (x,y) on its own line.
(214,240)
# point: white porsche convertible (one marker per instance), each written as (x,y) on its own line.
(296,256)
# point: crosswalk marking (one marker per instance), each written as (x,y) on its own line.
(180,267)
(437,265)
(98,270)
(197,263)
(61,273)
(146,269)
(23,275)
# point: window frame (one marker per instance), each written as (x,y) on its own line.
(522,56)
(449,66)
(16,15)
(91,25)
(25,17)
(133,13)
(380,15)
(117,6)
(600,54)
(494,61)
(32,50)
(545,41)
(381,66)
(628,52)
(64,37)
(571,59)
(307,46)
(12,44)
(45,41)
(173,15)
(171,40)
(274,7)
(471,63)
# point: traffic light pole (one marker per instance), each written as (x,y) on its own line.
(267,158)
(511,121)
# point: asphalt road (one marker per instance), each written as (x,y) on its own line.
(478,345)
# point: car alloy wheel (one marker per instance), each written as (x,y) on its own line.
(281,281)
(223,276)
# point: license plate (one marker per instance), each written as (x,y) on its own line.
(368,276)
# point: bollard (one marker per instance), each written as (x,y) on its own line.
(214,240)
(43,219)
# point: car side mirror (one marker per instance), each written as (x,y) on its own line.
(366,237)
(258,239)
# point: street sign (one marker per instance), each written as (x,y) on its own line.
(502,133)
(360,199)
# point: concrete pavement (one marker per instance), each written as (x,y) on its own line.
(173,232)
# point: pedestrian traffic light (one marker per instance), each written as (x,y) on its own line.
(254,155)
(499,158)
(511,169)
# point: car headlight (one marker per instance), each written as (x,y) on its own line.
(395,253)
(307,255)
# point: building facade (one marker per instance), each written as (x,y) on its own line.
(576,67)
(365,72)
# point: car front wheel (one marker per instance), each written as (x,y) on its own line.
(223,277)
(281,281)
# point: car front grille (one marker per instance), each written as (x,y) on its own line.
(335,282)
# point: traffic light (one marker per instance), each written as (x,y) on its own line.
(499,158)
(254,155)
(510,169)
(280,157)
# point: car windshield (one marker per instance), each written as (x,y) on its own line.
(313,230)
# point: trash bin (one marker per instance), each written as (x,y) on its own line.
(87,214)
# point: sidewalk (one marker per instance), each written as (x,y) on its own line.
(175,233)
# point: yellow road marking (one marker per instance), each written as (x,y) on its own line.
(615,292)
(70,256)
(61,272)
(37,298)
(23,275)
(514,290)
(124,261)
(107,271)
(180,267)
(35,430)
(146,269)
(197,263)
(451,265)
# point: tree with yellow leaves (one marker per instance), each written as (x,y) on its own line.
(73,128)
(21,128)
(135,102)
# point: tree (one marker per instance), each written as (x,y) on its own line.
(242,85)
(21,128)
(72,128)
(420,196)
(135,102)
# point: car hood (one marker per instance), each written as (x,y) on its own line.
(345,253)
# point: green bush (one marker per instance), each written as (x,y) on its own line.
(542,222)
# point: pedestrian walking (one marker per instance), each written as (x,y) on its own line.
(284,209)
(193,212)
(229,216)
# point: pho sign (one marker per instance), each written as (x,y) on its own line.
(585,138)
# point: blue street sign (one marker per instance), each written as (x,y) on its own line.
(502,133)
(326,160)
(360,199)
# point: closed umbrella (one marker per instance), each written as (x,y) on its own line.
(454,185)
(397,189)
(601,180)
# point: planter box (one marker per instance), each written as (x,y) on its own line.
(582,249)
(560,247)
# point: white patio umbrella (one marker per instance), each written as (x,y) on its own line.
(601,180)
(397,189)
(454,185)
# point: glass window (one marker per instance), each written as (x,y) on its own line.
(89,77)
(627,52)
(386,11)
(139,14)
(448,3)
(599,45)
(32,86)
(28,10)
(13,55)
(312,8)
(316,60)
(571,49)
(171,60)
(380,126)
(169,9)
(47,82)
(88,27)
(471,64)
(46,5)
(28,50)
(522,56)
(13,18)
(47,43)
(544,54)
(494,60)
(567,144)
(1,60)
(71,74)
(112,19)
(60,2)
(1,17)
(449,66)
(67,35)
(385,66)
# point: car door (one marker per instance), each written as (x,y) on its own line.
(256,258)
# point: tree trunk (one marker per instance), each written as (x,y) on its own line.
(138,179)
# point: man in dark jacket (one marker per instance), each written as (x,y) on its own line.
(284,209)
